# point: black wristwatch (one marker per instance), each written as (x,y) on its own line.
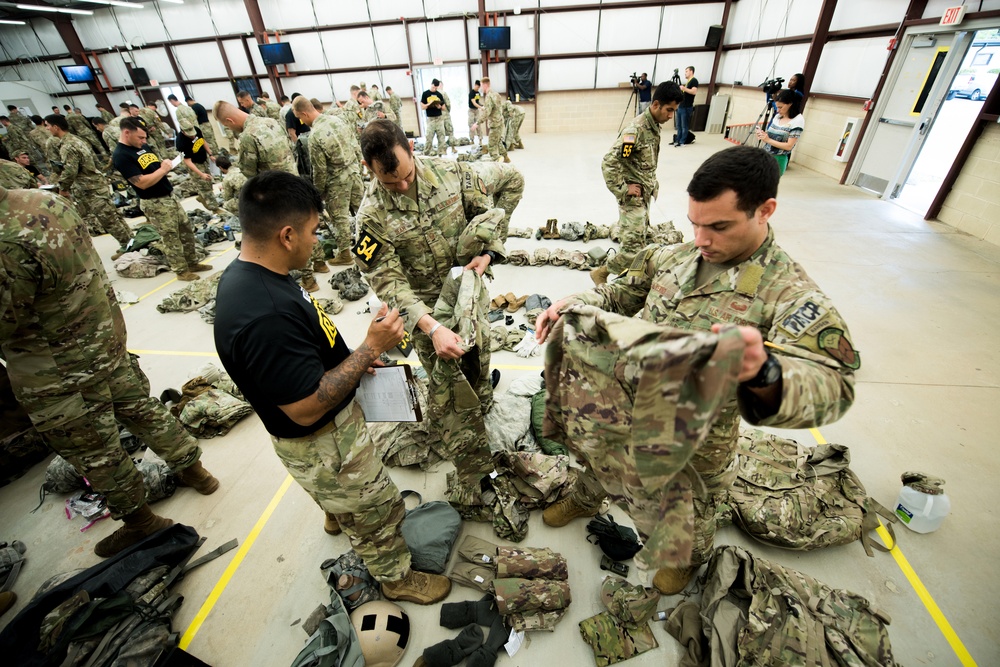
(492,255)
(768,374)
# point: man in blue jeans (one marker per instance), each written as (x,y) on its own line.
(686,109)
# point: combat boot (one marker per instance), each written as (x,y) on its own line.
(309,284)
(7,600)
(418,587)
(187,276)
(331,525)
(139,525)
(506,158)
(671,581)
(342,258)
(600,275)
(320,267)
(561,513)
(199,267)
(199,479)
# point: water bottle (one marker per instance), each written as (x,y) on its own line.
(229,232)
(922,503)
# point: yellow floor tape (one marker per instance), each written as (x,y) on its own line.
(173,280)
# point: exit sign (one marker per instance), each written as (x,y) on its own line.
(953,15)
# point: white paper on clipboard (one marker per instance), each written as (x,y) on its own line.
(389,396)
(177,160)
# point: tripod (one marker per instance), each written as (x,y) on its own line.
(633,102)
(764,119)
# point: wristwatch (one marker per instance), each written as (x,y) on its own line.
(768,374)
(492,255)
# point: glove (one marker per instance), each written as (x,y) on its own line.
(528,347)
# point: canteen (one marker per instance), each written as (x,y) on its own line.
(922,504)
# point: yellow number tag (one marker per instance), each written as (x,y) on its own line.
(404,345)
(367,248)
(627,149)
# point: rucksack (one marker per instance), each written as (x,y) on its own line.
(332,641)
(756,613)
(616,541)
(800,497)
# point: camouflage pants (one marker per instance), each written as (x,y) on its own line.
(531,563)
(462,429)
(480,130)
(449,129)
(508,199)
(340,468)
(435,128)
(206,194)
(521,595)
(177,238)
(357,192)
(338,207)
(81,428)
(208,132)
(96,207)
(633,218)
(497,148)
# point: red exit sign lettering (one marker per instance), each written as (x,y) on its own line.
(953,15)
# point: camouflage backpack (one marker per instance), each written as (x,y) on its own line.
(800,497)
(757,613)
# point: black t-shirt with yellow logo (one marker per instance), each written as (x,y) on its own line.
(276,343)
(193,148)
(131,162)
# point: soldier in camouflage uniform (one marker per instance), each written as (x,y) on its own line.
(232,182)
(63,337)
(15,177)
(155,130)
(732,273)
(372,110)
(515,117)
(105,114)
(80,126)
(292,363)
(409,229)
(39,139)
(433,106)
(396,105)
(18,119)
(197,158)
(505,184)
(183,111)
(147,173)
(492,113)
(271,108)
(247,105)
(630,173)
(81,178)
(335,169)
(16,139)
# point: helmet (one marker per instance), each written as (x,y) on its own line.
(383,630)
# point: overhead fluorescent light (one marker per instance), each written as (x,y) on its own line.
(58,10)
(10,22)
(116,3)
(176,2)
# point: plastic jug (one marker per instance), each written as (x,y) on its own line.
(922,504)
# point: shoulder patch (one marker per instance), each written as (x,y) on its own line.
(833,341)
(628,143)
(804,317)
(367,248)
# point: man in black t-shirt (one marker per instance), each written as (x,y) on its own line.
(686,108)
(292,364)
(432,102)
(204,124)
(148,175)
(191,144)
(293,125)
(475,104)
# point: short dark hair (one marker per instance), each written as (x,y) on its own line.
(690,67)
(752,173)
(189,99)
(11,107)
(37,120)
(477,82)
(132,124)
(172,98)
(667,92)
(57,120)
(97,120)
(294,95)
(272,199)
(792,98)
(243,93)
(435,82)
(133,105)
(363,93)
(222,162)
(124,105)
(378,144)
(67,107)
(284,98)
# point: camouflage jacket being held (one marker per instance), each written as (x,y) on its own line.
(633,158)
(768,291)
(264,146)
(407,247)
(79,168)
(60,324)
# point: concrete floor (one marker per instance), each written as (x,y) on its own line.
(921,302)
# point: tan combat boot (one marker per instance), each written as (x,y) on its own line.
(331,525)
(342,258)
(320,267)
(200,267)
(418,587)
(309,284)
(561,513)
(138,525)
(187,276)
(599,275)
(671,581)
(199,479)
(7,600)
(551,229)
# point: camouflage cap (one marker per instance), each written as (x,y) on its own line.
(630,603)
(187,127)
(923,482)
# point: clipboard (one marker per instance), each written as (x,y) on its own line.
(389,396)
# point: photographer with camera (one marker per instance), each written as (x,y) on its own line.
(644,89)
(784,129)
(686,109)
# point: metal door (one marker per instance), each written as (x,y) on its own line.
(906,109)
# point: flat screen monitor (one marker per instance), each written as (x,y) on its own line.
(76,73)
(279,53)
(494,38)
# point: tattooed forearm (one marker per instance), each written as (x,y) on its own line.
(338,382)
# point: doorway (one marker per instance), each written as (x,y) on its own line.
(456,83)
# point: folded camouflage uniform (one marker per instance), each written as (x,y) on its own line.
(520,232)
(571,231)
(531,563)
(519,257)
(591,232)
(623,631)
(515,594)
(137,265)
(538,477)
(191,297)
(540,256)
(559,257)
(213,413)
(664,234)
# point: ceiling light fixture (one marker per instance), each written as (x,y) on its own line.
(176,2)
(116,3)
(10,22)
(59,10)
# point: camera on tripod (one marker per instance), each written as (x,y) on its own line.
(772,86)
(634,78)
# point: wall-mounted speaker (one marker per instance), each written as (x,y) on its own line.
(714,36)
(139,76)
